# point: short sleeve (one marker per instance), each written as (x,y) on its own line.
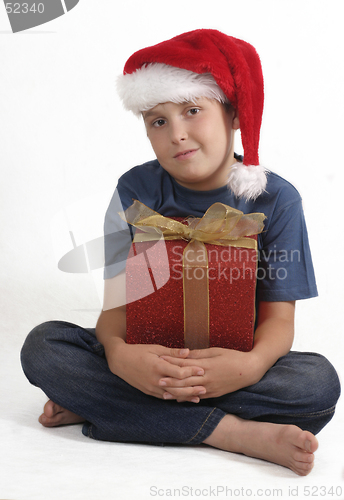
(117,238)
(285,270)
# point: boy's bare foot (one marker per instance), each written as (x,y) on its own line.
(285,445)
(54,415)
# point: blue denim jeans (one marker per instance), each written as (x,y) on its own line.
(68,363)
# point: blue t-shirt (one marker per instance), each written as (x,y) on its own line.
(285,270)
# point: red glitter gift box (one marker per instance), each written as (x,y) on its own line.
(194,294)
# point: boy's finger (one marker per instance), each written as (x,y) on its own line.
(178,373)
(166,351)
(177,361)
(171,370)
(192,399)
(186,367)
(204,353)
(179,353)
(169,382)
(186,393)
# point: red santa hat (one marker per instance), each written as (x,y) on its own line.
(204,63)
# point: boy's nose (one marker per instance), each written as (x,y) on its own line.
(178,132)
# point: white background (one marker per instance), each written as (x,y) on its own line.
(65,139)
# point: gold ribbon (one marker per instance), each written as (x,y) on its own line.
(220,225)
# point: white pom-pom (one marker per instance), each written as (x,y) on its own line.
(247,181)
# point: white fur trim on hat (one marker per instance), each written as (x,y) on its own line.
(247,181)
(158,83)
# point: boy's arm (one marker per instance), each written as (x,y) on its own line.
(274,335)
(227,370)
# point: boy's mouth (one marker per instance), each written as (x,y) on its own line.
(185,154)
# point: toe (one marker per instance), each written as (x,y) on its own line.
(303,457)
(303,440)
(50,409)
(44,420)
(309,442)
(303,469)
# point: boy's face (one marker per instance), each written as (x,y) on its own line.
(193,142)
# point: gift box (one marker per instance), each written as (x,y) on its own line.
(192,283)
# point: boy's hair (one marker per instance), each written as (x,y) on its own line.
(204,63)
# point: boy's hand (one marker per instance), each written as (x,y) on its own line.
(225,371)
(142,366)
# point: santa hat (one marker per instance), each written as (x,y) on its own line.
(204,63)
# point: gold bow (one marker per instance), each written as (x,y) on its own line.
(220,225)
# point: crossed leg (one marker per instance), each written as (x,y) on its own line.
(232,421)
(285,445)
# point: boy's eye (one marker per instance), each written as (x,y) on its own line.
(159,123)
(193,111)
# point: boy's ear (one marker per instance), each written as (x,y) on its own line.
(236,121)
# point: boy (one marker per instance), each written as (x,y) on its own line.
(193,92)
